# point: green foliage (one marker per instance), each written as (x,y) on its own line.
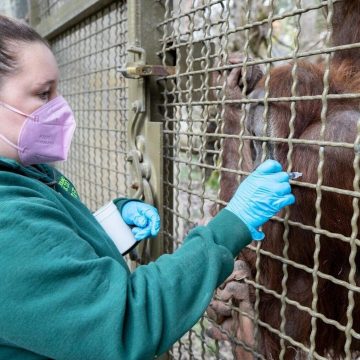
(213,181)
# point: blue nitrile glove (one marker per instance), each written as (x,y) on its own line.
(145,218)
(261,195)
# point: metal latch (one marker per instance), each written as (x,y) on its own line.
(138,71)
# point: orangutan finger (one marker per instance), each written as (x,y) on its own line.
(235,290)
(235,58)
(214,316)
(234,78)
(221,308)
(241,265)
(216,334)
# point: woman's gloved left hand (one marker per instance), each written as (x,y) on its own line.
(261,195)
(143,216)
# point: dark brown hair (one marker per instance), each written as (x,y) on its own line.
(12,33)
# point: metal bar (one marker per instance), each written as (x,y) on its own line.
(144,125)
(254,23)
(67,16)
(274,59)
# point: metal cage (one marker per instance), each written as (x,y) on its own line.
(202,163)
(88,40)
(88,55)
(172,133)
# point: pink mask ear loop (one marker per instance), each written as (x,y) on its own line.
(9,107)
(2,137)
(18,112)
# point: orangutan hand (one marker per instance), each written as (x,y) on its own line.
(231,300)
(235,80)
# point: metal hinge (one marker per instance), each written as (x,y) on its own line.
(138,71)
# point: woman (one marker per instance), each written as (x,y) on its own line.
(66,292)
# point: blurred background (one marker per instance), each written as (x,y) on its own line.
(15,8)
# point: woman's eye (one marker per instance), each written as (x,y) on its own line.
(44,95)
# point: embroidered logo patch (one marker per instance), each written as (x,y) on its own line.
(68,187)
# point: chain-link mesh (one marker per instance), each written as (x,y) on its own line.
(208,148)
(216,129)
(88,55)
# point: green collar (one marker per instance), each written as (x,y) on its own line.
(42,172)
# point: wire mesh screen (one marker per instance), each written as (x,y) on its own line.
(88,55)
(257,80)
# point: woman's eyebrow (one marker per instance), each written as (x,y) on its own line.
(47,82)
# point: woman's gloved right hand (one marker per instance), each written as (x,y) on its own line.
(261,195)
(144,217)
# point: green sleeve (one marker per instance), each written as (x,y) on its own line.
(60,300)
(120,202)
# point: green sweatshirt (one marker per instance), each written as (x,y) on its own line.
(65,290)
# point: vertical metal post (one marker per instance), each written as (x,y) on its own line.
(34,12)
(145,126)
